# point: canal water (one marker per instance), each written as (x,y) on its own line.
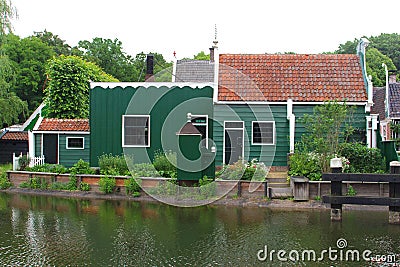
(48,231)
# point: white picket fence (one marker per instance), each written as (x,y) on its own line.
(33,161)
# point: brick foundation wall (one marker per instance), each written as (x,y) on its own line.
(246,189)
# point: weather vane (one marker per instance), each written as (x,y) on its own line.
(215,36)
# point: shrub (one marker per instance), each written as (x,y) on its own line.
(168,188)
(71,185)
(5,167)
(84,186)
(23,162)
(207,187)
(233,171)
(305,164)
(24,184)
(363,159)
(107,184)
(35,183)
(113,165)
(132,186)
(165,163)
(242,170)
(144,170)
(351,191)
(4,182)
(58,186)
(81,167)
(54,168)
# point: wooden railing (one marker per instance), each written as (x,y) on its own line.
(337,199)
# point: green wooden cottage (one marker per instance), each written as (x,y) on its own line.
(261,98)
(60,141)
(140,119)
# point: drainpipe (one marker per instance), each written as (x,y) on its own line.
(370,94)
(369,131)
(292,124)
(387,107)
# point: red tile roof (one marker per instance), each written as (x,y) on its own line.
(64,125)
(18,136)
(275,77)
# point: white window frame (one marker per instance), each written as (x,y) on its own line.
(273,134)
(75,137)
(201,124)
(231,128)
(123,130)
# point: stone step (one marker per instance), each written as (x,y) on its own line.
(280,192)
(277,175)
(277,180)
(278,185)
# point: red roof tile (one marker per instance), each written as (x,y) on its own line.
(274,77)
(18,136)
(63,125)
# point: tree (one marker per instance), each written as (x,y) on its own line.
(324,131)
(67,94)
(59,46)
(350,47)
(389,45)
(7,13)
(11,106)
(376,54)
(109,55)
(28,57)
(201,56)
(374,66)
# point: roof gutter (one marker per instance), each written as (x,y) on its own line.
(387,106)
(361,52)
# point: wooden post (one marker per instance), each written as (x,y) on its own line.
(394,192)
(266,189)
(336,190)
(239,192)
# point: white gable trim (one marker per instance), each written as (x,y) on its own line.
(112,85)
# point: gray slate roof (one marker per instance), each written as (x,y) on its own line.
(379,95)
(194,71)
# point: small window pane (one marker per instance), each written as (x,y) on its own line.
(136,131)
(199,120)
(263,132)
(234,124)
(75,142)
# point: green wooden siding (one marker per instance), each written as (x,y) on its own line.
(271,155)
(277,113)
(356,118)
(38,144)
(107,106)
(68,157)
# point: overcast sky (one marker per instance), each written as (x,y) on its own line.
(187,27)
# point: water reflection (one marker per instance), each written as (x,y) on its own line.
(37,231)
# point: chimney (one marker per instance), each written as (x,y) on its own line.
(211,54)
(392,76)
(149,68)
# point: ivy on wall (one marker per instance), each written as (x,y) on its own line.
(67,94)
